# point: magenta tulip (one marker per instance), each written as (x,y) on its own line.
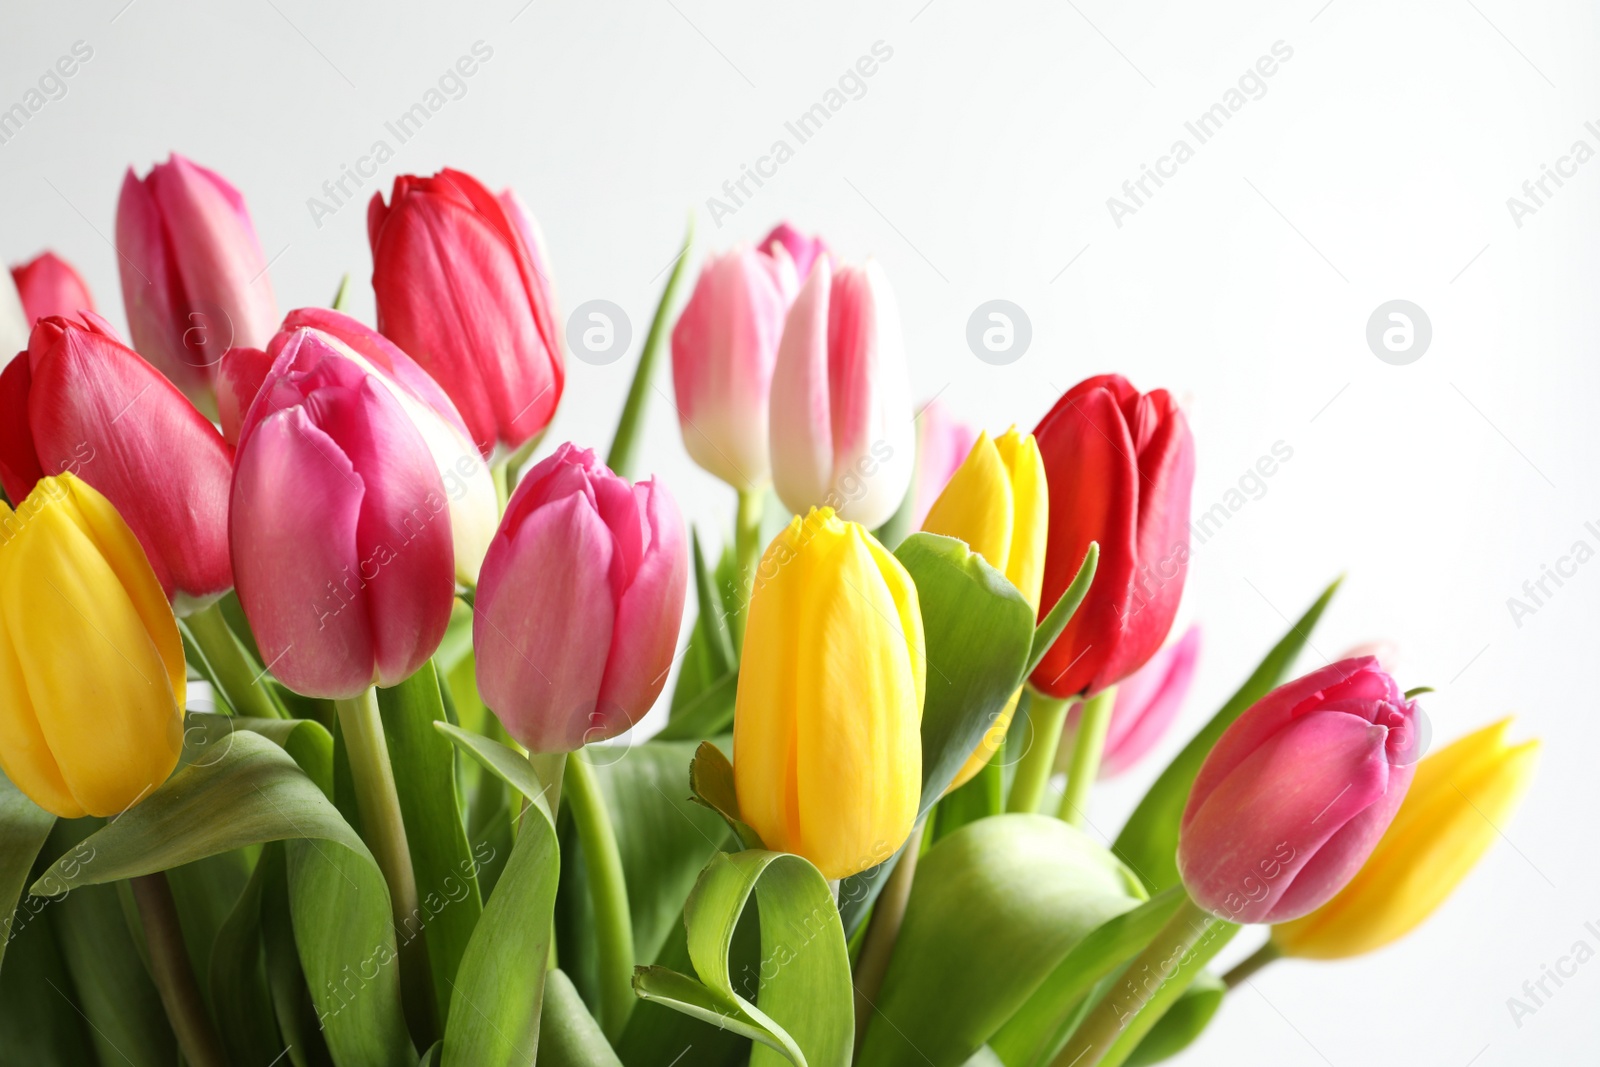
(841,422)
(579,603)
(1296,792)
(194,278)
(49,286)
(340,525)
(943,442)
(1146,704)
(804,250)
(80,400)
(723,350)
(463,287)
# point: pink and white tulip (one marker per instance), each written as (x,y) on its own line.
(803,249)
(580,602)
(841,421)
(49,286)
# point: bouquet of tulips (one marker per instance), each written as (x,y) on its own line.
(319,669)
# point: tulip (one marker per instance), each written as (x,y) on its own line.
(49,286)
(13,321)
(841,422)
(1461,796)
(723,350)
(943,442)
(340,525)
(1296,792)
(827,747)
(463,288)
(1121,467)
(1146,704)
(578,611)
(997,503)
(803,250)
(80,400)
(91,665)
(193,274)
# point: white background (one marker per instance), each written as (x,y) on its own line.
(977,165)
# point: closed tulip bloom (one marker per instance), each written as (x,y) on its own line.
(997,502)
(803,249)
(841,421)
(194,277)
(578,611)
(943,442)
(1461,795)
(340,525)
(91,665)
(1296,792)
(1146,705)
(49,286)
(827,746)
(1121,468)
(80,400)
(464,289)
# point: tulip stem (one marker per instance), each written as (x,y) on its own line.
(883,931)
(1253,963)
(1047,715)
(609,890)
(1087,745)
(172,973)
(747,555)
(241,682)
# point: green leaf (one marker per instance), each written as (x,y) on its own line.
(994,909)
(625,445)
(1153,1008)
(1183,1022)
(240,996)
(1149,841)
(661,1036)
(1056,620)
(713,618)
(707,715)
(23,829)
(568,1034)
(41,1024)
(291,1000)
(307,741)
(802,1011)
(441,858)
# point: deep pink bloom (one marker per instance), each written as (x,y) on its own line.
(1296,793)
(1147,702)
(194,278)
(1120,465)
(49,286)
(80,400)
(804,250)
(340,525)
(943,442)
(463,287)
(579,603)
(723,350)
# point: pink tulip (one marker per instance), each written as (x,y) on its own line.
(49,286)
(943,442)
(1295,794)
(464,288)
(1146,704)
(193,274)
(579,605)
(841,422)
(80,400)
(723,350)
(340,524)
(803,250)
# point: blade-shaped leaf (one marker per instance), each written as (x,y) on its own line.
(568,1034)
(1189,1015)
(240,995)
(41,1024)
(23,829)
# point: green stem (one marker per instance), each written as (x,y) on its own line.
(172,973)
(1253,963)
(1047,714)
(1087,746)
(1141,996)
(613,924)
(242,682)
(625,445)
(746,556)
(883,931)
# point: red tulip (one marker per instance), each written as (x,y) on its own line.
(193,274)
(1120,466)
(49,286)
(80,400)
(463,287)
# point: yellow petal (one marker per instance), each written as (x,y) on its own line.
(1031,512)
(976,506)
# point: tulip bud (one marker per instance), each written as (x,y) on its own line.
(1460,798)
(723,350)
(1121,467)
(997,503)
(1296,792)
(340,525)
(578,611)
(80,400)
(91,665)
(841,420)
(803,250)
(194,278)
(462,286)
(827,746)
(49,286)
(1146,704)
(943,442)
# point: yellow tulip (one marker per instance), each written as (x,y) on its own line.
(827,745)
(998,503)
(1458,799)
(91,664)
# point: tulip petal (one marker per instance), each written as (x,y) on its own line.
(801,438)
(977,506)
(19,462)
